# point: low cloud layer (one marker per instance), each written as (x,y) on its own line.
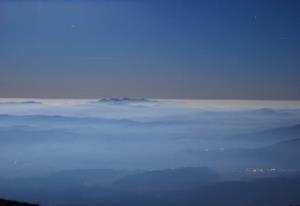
(137,133)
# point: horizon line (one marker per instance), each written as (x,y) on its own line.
(95,98)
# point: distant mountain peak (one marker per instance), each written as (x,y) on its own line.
(24,102)
(123,99)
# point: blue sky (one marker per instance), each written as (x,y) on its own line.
(214,49)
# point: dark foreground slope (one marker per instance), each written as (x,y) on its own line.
(14,203)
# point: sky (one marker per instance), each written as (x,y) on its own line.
(210,49)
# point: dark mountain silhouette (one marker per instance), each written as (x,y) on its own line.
(177,187)
(282,133)
(264,111)
(168,179)
(98,177)
(282,153)
(271,135)
(57,119)
(267,191)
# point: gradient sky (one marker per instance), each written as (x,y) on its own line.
(212,49)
